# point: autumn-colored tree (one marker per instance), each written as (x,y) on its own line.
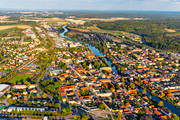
(132,85)
(119,116)
(144,91)
(161,104)
(112,89)
(122,79)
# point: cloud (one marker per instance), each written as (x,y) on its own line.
(92,4)
(177,3)
(164,0)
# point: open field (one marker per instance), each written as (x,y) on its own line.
(20,77)
(4,21)
(80,29)
(173,34)
(53,20)
(170,30)
(58,21)
(62,23)
(110,19)
(4,17)
(98,30)
(104,19)
(80,22)
(13,26)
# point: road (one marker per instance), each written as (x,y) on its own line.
(4,60)
(27,63)
(74,71)
(52,41)
(5,101)
(37,83)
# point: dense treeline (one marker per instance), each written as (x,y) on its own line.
(153,31)
(100,14)
(126,14)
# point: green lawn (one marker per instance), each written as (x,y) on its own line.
(20,78)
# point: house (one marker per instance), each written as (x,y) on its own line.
(106,69)
(11,108)
(73,101)
(19,86)
(172,87)
(65,75)
(70,87)
(33,91)
(54,72)
(25,98)
(64,99)
(178,103)
(148,112)
(84,88)
(157,113)
(32,86)
(105,80)
(62,78)
(101,93)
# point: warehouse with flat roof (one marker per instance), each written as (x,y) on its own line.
(4,88)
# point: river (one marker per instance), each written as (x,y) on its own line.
(98,53)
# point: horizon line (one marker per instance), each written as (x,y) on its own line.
(71,10)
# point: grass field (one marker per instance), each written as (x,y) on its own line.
(98,30)
(55,21)
(20,78)
(14,26)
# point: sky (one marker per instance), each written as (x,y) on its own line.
(148,5)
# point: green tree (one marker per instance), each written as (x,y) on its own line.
(175,117)
(85,117)
(101,106)
(122,79)
(113,89)
(77,117)
(161,104)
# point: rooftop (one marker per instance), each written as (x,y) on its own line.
(3,86)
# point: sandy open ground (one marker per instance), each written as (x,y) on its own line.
(4,17)
(13,26)
(170,30)
(53,20)
(81,22)
(4,21)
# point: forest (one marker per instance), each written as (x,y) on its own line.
(160,34)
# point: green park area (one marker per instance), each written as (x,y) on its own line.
(20,78)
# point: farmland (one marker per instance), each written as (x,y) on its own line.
(14,26)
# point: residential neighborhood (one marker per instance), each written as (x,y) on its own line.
(47,73)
